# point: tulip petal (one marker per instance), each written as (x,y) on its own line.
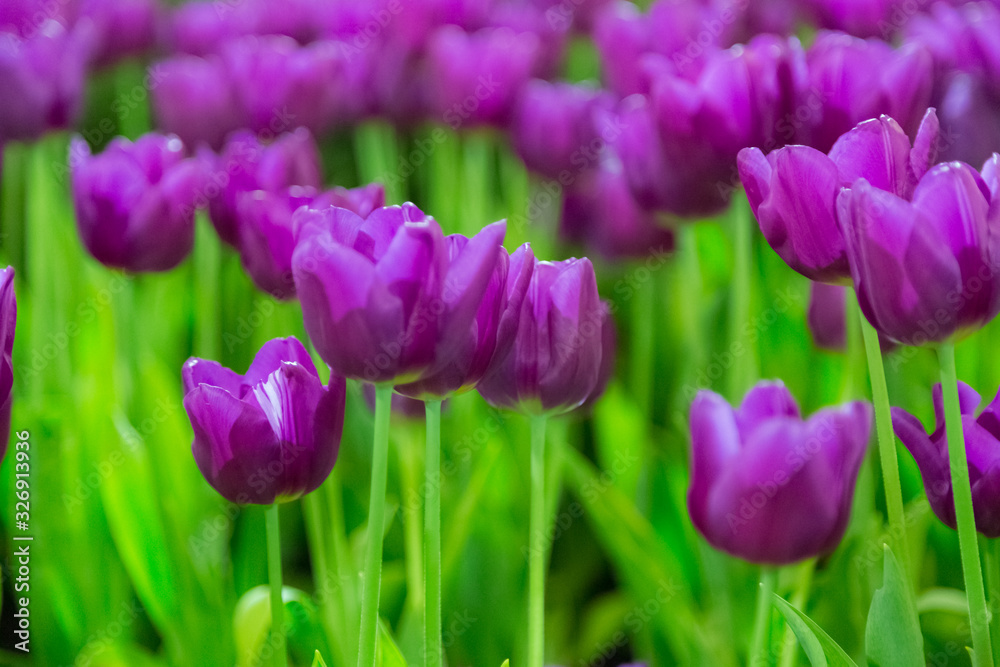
(764,401)
(878,151)
(204,371)
(932,460)
(925,146)
(715,440)
(274,354)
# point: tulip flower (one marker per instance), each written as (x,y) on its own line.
(135,201)
(926,270)
(477,77)
(195,99)
(555,361)
(271,435)
(863,18)
(857,79)
(793,190)
(247,164)
(381,298)
(554,128)
(982,442)
(8,319)
(599,212)
(42,77)
(267,234)
(768,486)
(123,27)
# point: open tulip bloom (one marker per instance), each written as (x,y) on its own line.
(266,437)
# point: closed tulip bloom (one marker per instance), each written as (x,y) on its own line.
(793,190)
(123,27)
(555,130)
(858,79)
(271,435)
(863,18)
(926,270)
(381,298)
(492,331)
(600,213)
(135,201)
(42,77)
(478,76)
(555,361)
(609,356)
(982,448)
(8,320)
(247,164)
(267,233)
(768,486)
(195,99)
(827,321)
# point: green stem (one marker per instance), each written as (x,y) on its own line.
(760,648)
(992,566)
(643,347)
(274,577)
(886,445)
(413,537)
(376,526)
(962,490)
(328,590)
(477,162)
(803,584)
(536,546)
(744,358)
(433,654)
(206,273)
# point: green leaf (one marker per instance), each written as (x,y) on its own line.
(318,660)
(388,654)
(893,637)
(819,647)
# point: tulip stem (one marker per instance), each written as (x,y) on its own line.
(742,372)
(962,490)
(992,566)
(376,526)
(432,538)
(886,445)
(274,577)
(762,618)
(536,546)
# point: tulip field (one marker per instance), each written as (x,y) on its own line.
(386,333)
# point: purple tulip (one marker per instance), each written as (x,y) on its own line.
(381,297)
(863,18)
(599,212)
(609,354)
(555,361)
(982,447)
(42,77)
(476,78)
(8,320)
(768,486)
(246,164)
(554,128)
(135,201)
(123,27)
(926,270)
(195,99)
(827,318)
(856,80)
(793,190)
(271,435)
(491,334)
(198,28)
(267,233)
(679,148)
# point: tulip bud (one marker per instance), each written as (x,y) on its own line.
(982,448)
(135,201)
(271,435)
(768,486)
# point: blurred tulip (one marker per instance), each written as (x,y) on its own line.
(862,18)
(768,486)
(267,233)
(599,212)
(554,363)
(135,201)
(271,435)
(857,79)
(123,27)
(381,298)
(826,317)
(246,164)
(926,270)
(42,77)
(554,128)
(982,446)
(476,78)
(194,98)
(8,320)
(792,191)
